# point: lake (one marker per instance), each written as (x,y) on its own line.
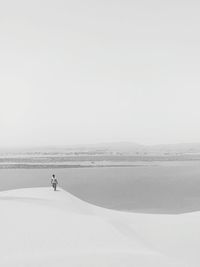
(170,187)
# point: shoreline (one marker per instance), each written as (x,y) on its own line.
(98,164)
(31,166)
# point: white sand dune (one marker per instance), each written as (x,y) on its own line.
(39,227)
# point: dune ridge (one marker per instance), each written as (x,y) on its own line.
(39,227)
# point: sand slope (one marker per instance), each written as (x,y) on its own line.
(39,227)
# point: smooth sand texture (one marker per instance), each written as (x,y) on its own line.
(40,227)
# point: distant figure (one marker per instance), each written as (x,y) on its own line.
(54,182)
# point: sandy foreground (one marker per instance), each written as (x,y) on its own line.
(43,228)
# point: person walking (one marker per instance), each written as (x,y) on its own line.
(54,182)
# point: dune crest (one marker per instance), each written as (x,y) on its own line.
(39,227)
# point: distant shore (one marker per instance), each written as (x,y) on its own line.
(52,166)
(52,160)
(97,164)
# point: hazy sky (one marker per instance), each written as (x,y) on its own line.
(99,71)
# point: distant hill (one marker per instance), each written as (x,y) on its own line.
(115,147)
(132,148)
(135,148)
(182,148)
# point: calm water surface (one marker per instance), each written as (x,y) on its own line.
(164,188)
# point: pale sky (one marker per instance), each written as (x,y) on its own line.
(77,72)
